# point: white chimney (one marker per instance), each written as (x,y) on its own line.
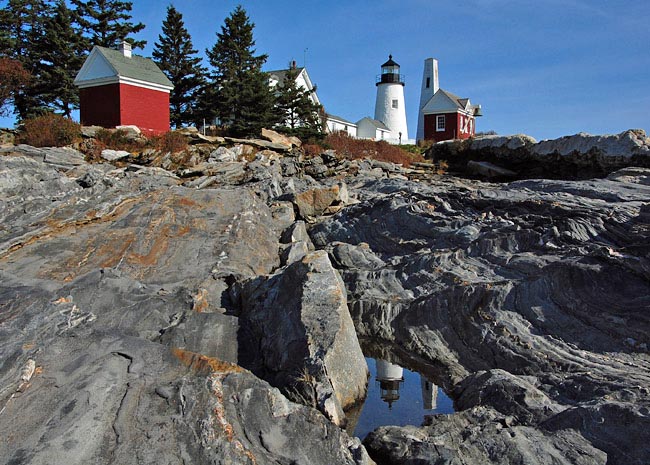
(125,48)
(430,86)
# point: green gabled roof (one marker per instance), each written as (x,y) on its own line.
(135,67)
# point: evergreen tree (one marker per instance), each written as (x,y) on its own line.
(241,97)
(22,23)
(6,41)
(63,54)
(177,59)
(301,114)
(106,22)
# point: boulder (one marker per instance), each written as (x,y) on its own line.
(114,155)
(90,132)
(316,168)
(291,253)
(131,131)
(513,142)
(260,144)
(222,154)
(295,233)
(354,257)
(63,156)
(281,139)
(195,137)
(283,214)
(509,394)
(302,338)
(214,174)
(479,437)
(314,202)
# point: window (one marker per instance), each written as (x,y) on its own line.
(440,123)
(428,82)
(395,103)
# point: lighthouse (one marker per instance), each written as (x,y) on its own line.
(389,106)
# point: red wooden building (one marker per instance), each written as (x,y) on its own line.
(118,88)
(447,116)
(443,115)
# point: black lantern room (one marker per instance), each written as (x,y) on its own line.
(390,73)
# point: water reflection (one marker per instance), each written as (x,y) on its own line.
(389,377)
(429,394)
(397,396)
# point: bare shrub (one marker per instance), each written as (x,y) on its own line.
(49,130)
(169,142)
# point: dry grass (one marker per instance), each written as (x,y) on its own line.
(351,148)
(169,142)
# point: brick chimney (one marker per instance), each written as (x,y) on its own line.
(125,48)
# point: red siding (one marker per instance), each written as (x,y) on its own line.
(100,106)
(146,108)
(466,126)
(455,127)
(121,104)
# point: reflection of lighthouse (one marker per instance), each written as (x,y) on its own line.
(429,394)
(389,376)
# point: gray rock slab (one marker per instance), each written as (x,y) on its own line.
(532,295)
(305,341)
(480,437)
(63,156)
(293,252)
(110,398)
(277,138)
(314,202)
(625,144)
(114,155)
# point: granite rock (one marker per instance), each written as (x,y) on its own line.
(306,343)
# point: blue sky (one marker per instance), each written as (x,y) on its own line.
(546,68)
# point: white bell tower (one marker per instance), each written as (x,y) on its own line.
(430,86)
(389,106)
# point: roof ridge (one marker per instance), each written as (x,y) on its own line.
(134,67)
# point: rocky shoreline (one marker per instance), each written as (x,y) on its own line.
(205,307)
(581,156)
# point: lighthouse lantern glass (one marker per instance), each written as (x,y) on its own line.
(390,70)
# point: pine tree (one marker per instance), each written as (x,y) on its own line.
(241,98)
(22,23)
(301,114)
(106,22)
(6,41)
(177,59)
(63,53)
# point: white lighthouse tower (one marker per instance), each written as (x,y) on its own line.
(389,106)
